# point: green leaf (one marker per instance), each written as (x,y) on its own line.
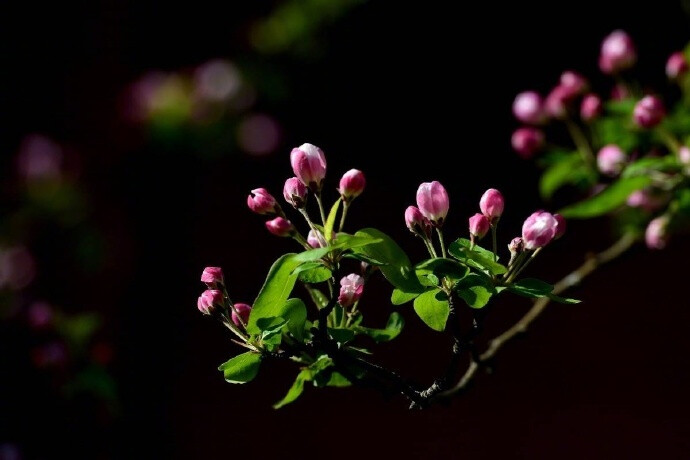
(622,107)
(478,257)
(398,270)
(242,368)
(399,297)
(475,290)
(312,254)
(270,326)
(393,328)
(608,200)
(295,390)
(337,380)
(341,335)
(295,312)
(315,274)
(330,221)
(363,258)
(275,291)
(570,170)
(642,166)
(441,268)
(530,287)
(318,297)
(433,309)
(346,241)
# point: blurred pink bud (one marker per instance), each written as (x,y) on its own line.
(243,309)
(17,268)
(261,202)
(50,355)
(528,107)
(280,227)
(315,239)
(560,226)
(416,222)
(656,235)
(611,160)
(575,83)
(620,92)
(538,230)
(516,245)
(39,158)
(217,80)
(295,192)
(479,225)
(40,315)
(617,53)
(590,107)
(432,201)
(352,184)
(212,276)
(649,111)
(309,164)
(209,300)
(684,155)
(676,65)
(557,102)
(351,288)
(527,141)
(644,199)
(491,204)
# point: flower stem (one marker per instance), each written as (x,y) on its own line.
(343,214)
(580,141)
(527,262)
(494,227)
(321,211)
(442,242)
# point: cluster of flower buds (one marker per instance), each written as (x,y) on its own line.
(491,205)
(430,212)
(215,301)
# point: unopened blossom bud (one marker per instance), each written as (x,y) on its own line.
(243,309)
(516,245)
(676,65)
(611,160)
(656,235)
(684,155)
(212,276)
(352,184)
(261,202)
(315,239)
(280,227)
(416,222)
(528,107)
(538,230)
(209,301)
(527,141)
(575,83)
(479,225)
(351,288)
(649,111)
(309,165)
(590,108)
(432,201)
(617,53)
(558,101)
(491,204)
(560,226)
(295,192)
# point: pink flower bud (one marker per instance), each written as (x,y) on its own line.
(617,53)
(656,235)
(619,92)
(295,192)
(491,204)
(280,227)
(315,240)
(560,226)
(309,164)
(432,201)
(611,160)
(573,82)
(649,111)
(243,309)
(261,202)
(479,225)
(684,155)
(209,301)
(527,141)
(212,276)
(416,222)
(538,230)
(352,184)
(516,245)
(351,288)
(528,107)
(590,107)
(558,101)
(676,65)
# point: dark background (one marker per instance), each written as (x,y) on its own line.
(407,93)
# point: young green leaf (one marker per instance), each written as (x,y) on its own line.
(242,368)
(668,163)
(478,257)
(530,287)
(318,297)
(330,221)
(433,309)
(315,274)
(341,335)
(392,330)
(475,290)
(441,268)
(295,390)
(607,200)
(399,297)
(399,268)
(275,291)
(295,312)
(570,170)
